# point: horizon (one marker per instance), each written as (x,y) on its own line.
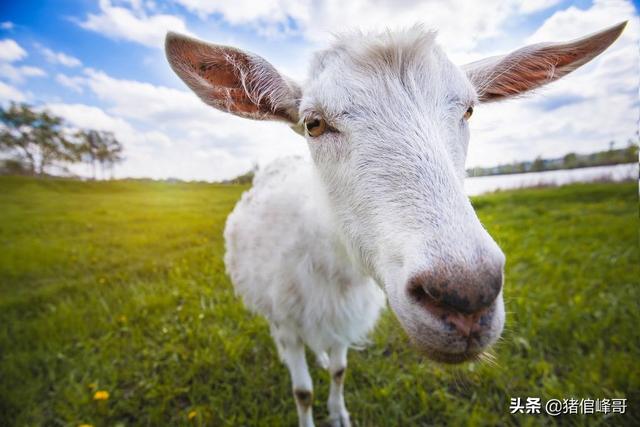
(102,66)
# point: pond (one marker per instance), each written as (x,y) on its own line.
(485,184)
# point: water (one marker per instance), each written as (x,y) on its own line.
(484,184)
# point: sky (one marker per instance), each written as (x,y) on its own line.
(101,65)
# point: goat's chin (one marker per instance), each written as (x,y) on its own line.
(450,358)
(445,356)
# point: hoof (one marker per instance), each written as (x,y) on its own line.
(340,420)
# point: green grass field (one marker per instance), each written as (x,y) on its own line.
(120,287)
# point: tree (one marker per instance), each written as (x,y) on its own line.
(631,152)
(537,165)
(38,138)
(245,178)
(570,160)
(99,147)
(110,152)
(88,146)
(13,167)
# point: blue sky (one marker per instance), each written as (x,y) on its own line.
(100,64)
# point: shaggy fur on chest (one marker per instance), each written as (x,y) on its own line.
(286,260)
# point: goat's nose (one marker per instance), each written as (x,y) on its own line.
(457,292)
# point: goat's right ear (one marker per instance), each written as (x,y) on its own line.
(232,80)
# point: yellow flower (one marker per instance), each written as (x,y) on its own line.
(101,395)
(192,415)
(122,318)
(85,425)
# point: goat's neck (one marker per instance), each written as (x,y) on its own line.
(328,220)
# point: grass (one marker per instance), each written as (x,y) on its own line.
(120,287)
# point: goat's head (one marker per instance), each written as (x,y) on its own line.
(385,118)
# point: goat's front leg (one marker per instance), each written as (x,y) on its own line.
(291,350)
(338,415)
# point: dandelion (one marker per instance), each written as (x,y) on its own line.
(85,425)
(101,395)
(192,415)
(122,318)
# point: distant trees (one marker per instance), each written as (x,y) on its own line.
(570,160)
(37,141)
(611,156)
(99,148)
(36,138)
(537,165)
(245,178)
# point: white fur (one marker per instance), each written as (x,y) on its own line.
(287,262)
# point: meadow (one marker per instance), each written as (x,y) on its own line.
(115,310)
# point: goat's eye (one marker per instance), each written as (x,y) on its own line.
(468,113)
(315,127)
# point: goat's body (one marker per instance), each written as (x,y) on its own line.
(286,260)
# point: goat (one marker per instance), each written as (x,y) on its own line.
(380,211)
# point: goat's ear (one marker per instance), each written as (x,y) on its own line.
(232,80)
(528,68)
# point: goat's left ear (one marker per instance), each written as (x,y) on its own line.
(232,80)
(528,68)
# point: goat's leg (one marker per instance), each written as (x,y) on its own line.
(291,350)
(338,415)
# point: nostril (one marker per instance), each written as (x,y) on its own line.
(468,294)
(429,299)
(418,293)
(465,324)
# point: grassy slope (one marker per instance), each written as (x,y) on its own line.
(121,287)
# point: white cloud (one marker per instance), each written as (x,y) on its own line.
(10,93)
(10,51)
(91,117)
(573,22)
(60,58)
(7,25)
(247,11)
(73,83)
(18,74)
(121,23)
(461,23)
(532,6)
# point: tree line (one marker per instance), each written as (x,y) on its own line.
(612,156)
(37,142)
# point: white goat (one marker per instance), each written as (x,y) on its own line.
(315,247)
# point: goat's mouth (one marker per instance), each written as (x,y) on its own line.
(443,345)
(438,338)
(439,343)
